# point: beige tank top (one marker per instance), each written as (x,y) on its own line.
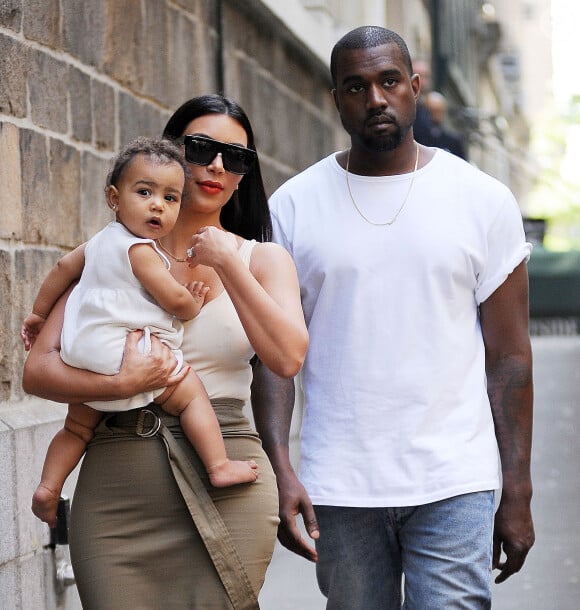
(216,346)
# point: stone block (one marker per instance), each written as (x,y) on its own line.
(240,83)
(41,22)
(28,566)
(6,329)
(152,120)
(129,118)
(207,11)
(83,26)
(188,69)
(27,476)
(31,266)
(81,112)
(154,57)
(31,581)
(95,213)
(35,180)
(104,114)
(208,51)
(276,128)
(244,34)
(64,227)
(47,85)
(138,118)
(10,179)
(274,175)
(11,14)
(195,7)
(299,76)
(9,585)
(13,68)
(33,423)
(125,43)
(8,538)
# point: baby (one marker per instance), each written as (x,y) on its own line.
(125,285)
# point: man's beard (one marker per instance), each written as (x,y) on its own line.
(388,142)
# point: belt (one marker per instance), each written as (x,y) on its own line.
(149,422)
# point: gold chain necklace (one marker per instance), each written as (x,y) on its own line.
(177,260)
(394,218)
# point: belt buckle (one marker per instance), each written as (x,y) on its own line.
(155,426)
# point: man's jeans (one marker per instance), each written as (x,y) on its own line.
(443,549)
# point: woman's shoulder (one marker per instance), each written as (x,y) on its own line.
(268,257)
(266,249)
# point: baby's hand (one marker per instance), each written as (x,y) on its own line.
(198,291)
(31,328)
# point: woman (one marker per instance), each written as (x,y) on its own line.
(133,538)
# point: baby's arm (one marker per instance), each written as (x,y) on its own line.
(184,302)
(64,452)
(68,269)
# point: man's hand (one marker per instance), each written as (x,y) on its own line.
(514,535)
(293,501)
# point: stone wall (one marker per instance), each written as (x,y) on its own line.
(77,81)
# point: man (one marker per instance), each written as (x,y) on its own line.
(439,135)
(414,288)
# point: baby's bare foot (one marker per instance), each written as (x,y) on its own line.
(45,504)
(233,472)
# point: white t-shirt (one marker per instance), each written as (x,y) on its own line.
(396,411)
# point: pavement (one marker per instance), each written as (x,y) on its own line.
(550,579)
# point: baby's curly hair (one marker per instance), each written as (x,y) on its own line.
(158,150)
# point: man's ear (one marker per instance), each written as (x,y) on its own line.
(112,195)
(416,85)
(333,92)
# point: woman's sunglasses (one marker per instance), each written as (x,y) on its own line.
(201,150)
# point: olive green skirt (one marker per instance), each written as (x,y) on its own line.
(133,540)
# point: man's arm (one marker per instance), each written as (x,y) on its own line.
(272,405)
(504,322)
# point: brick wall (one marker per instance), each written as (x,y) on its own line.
(77,81)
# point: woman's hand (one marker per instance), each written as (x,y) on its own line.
(147,372)
(266,296)
(212,247)
(47,376)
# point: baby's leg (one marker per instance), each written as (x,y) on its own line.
(64,452)
(189,400)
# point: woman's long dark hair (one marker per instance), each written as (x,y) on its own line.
(246,213)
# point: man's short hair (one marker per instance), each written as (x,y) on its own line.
(367,37)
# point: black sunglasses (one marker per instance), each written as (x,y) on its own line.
(201,150)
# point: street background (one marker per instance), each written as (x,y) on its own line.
(550,579)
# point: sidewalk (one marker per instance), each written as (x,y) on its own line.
(550,580)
